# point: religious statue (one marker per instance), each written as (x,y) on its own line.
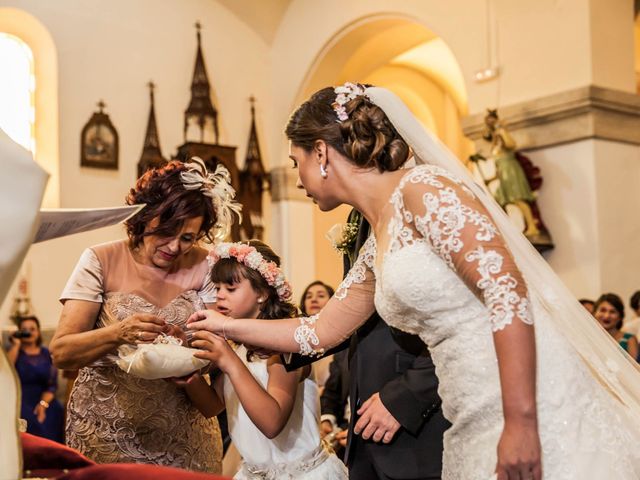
(517,179)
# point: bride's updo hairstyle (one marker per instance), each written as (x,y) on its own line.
(366,137)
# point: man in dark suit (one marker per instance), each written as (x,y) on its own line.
(396,426)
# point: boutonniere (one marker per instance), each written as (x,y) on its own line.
(343,237)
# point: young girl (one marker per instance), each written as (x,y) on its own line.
(273,414)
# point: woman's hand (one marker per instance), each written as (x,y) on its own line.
(208,320)
(213,348)
(177,332)
(140,328)
(519,452)
(40,412)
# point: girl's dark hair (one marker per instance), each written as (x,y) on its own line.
(328,288)
(230,271)
(615,301)
(367,137)
(32,318)
(163,192)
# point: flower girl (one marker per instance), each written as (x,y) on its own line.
(273,414)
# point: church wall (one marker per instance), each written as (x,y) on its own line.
(542,48)
(110,50)
(569,207)
(106,52)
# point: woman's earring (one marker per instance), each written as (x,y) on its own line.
(323,171)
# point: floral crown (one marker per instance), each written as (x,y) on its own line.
(216,186)
(344,94)
(251,258)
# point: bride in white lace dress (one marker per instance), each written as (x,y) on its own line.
(532,386)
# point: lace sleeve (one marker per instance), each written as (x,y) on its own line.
(350,307)
(461,232)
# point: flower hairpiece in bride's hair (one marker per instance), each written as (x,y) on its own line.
(344,94)
(216,186)
(252,258)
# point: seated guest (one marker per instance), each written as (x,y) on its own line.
(633,325)
(38,379)
(587,304)
(609,311)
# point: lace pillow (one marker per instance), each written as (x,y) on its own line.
(164,358)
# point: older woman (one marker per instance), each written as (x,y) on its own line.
(129,292)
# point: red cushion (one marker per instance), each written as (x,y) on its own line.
(121,471)
(43,457)
(46,458)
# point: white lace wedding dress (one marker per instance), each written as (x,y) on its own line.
(442,272)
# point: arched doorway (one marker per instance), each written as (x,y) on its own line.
(413,62)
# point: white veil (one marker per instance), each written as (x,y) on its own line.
(613,368)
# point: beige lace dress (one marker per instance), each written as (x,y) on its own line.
(114,417)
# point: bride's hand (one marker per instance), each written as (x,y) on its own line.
(519,453)
(209,320)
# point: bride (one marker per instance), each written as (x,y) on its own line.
(533,387)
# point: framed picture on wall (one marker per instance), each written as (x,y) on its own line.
(99,142)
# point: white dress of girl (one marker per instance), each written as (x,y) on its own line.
(297,452)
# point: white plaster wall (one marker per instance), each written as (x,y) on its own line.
(617,173)
(589,201)
(568,203)
(543,47)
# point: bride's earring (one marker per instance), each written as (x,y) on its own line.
(323,171)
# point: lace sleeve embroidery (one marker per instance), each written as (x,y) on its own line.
(447,224)
(499,289)
(358,271)
(305,336)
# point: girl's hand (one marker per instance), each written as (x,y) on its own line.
(519,452)
(140,328)
(213,348)
(208,320)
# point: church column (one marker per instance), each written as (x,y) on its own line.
(291,229)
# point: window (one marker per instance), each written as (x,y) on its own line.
(17,87)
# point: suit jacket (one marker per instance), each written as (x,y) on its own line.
(398,365)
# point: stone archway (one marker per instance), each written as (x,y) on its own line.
(412,61)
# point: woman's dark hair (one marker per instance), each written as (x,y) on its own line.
(586,301)
(615,301)
(34,319)
(230,271)
(163,192)
(367,137)
(634,302)
(328,288)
